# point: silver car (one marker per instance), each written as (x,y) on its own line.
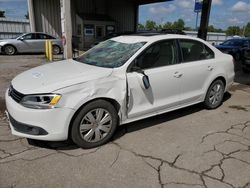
(29,43)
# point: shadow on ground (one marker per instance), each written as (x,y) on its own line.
(128,128)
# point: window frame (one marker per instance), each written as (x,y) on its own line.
(204,47)
(178,57)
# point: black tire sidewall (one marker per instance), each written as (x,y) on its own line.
(9,46)
(208,105)
(75,133)
(59,49)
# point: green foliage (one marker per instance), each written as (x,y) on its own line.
(233,30)
(27,15)
(211,28)
(247,30)
(179,24)
(140,26)
(2,14)
(151,25)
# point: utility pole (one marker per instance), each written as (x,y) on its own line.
(206,7)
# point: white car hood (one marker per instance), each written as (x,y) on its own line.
(54,76)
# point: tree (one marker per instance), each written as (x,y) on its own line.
(233,30)
(246,31)
(179,24)
(2,14)
(140,27)
(27,15)
(150,25)
(167,25)
(211,28)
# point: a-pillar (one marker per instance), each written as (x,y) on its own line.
(66,27)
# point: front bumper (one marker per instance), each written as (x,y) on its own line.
(49,124)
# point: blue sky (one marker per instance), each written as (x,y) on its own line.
(223,13)
(14,8)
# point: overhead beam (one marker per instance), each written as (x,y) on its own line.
(206,7)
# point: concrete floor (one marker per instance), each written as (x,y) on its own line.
(192,147)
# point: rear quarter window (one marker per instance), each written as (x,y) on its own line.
(195,51)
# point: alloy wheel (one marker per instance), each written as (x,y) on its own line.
(95,125)
(9,50)
(216,94)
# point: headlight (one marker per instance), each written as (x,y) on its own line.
(40,101)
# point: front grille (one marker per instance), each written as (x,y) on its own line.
(17,96)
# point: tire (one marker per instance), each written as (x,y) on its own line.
(89,119)
(237,56)
(56,50)
(9,50)
(245,70)
(214,96)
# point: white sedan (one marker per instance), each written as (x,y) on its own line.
(121,80)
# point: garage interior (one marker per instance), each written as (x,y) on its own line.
(84,22)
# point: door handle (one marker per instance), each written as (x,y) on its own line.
(177,75)
(210,68)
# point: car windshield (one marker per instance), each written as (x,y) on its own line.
(110,53)
(232,43)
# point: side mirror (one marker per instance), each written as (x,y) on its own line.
(21,39)
(146,82)
(142,77)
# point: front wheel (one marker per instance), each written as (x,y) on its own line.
(94,125)
(214,96)
(9,50)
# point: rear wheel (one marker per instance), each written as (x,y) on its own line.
(215,93)
(9,50)
(94,125)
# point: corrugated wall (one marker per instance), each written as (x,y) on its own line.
(47,16)
(47,13)
(10,28)
(123,12)
(91,6)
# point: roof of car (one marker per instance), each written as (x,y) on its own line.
(238,39)
(150,38)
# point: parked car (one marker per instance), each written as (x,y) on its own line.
(121,80)
(246,59)
(234,47)
(30,43)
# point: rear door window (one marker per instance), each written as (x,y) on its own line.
(194,51)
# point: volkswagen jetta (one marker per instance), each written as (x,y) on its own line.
(120,80)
